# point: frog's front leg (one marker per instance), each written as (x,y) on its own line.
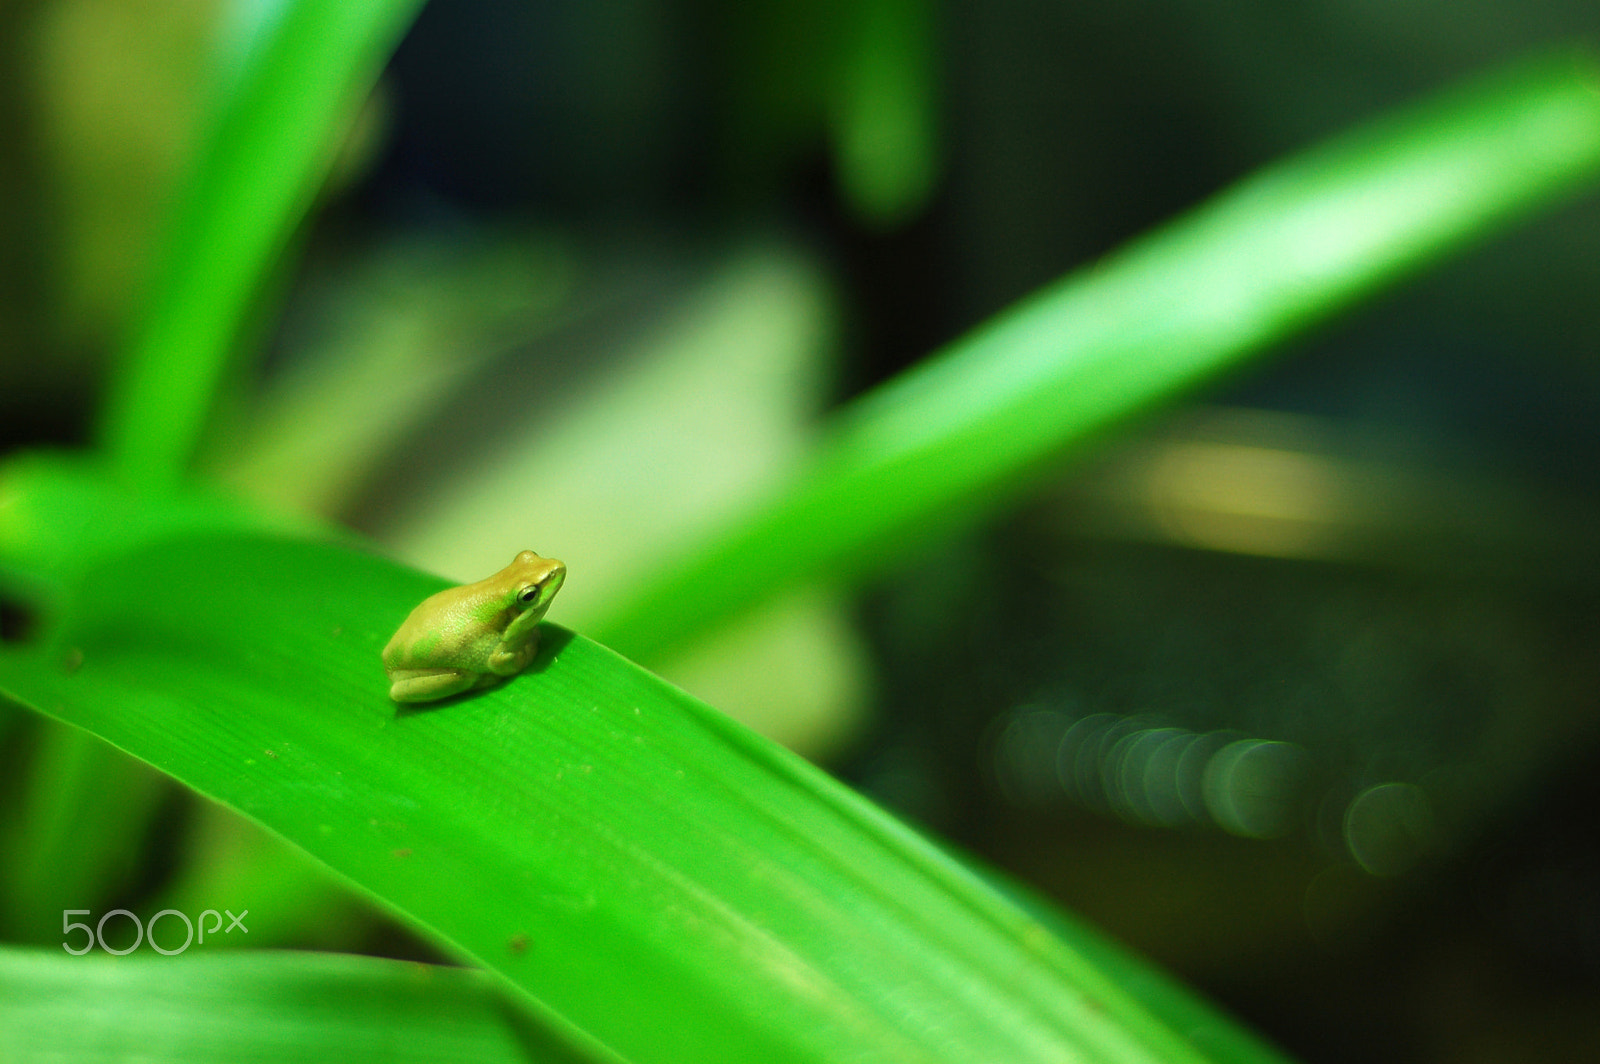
(509,662)
(428,685)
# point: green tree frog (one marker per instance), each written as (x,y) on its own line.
(475,635)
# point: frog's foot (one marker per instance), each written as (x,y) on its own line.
(511,662)
(428,685)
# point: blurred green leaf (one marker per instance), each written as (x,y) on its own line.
(295,902)
(637,865)
(228,1008)
(78,832)
(375,366)
(60,512)
(884,122)
(952,439)
(273,139)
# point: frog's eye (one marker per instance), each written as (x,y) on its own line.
(528,594)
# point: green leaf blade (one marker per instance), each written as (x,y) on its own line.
(1290,247)
(269,147)
(639,867)
(231,1007)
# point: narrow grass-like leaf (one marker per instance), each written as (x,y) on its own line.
(228,1008)
(663,880)
(884,126)
(77,833)
(60,512)
(1285,249)
(272,140)
(229,863)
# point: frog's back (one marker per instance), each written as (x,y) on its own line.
(445,626)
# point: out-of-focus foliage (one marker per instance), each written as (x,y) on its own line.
(1264,685)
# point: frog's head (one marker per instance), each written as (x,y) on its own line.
(533,583)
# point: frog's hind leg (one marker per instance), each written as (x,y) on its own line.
(429,685)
